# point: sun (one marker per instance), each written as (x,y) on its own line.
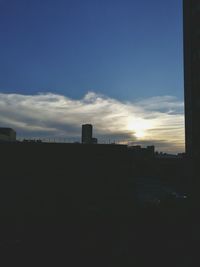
(140,134)
(139,127)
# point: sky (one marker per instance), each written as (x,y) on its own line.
(117,64)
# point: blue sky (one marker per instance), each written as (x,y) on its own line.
(127,50)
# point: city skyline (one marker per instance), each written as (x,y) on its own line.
(110,64)
(141,122)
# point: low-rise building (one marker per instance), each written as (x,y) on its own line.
(7,135)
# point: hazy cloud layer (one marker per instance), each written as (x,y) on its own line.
(157,120)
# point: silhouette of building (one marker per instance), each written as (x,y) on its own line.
(191,12)
(86,134)
(87,138)
(141,152)
(94,140)
(7,134)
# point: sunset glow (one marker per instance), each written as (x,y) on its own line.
(139,127)
(150,121)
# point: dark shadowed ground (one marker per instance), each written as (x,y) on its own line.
(74,205)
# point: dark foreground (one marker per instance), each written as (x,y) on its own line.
(75,206)
(103,241)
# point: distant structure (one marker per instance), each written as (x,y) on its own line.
(32,141)
(161,155)
(94,140)
(7,135)
(191,15)
(87,134)
(142,152)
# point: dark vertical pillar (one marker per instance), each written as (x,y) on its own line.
(187,75)
(191,22)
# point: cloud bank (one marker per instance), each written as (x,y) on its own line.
(157,120)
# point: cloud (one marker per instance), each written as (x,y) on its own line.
(157,120)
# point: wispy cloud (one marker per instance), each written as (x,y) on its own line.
(157,120)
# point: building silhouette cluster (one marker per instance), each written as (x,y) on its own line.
(141,152)
(9,135)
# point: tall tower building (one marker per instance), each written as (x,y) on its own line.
(191,18)
(86,134)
